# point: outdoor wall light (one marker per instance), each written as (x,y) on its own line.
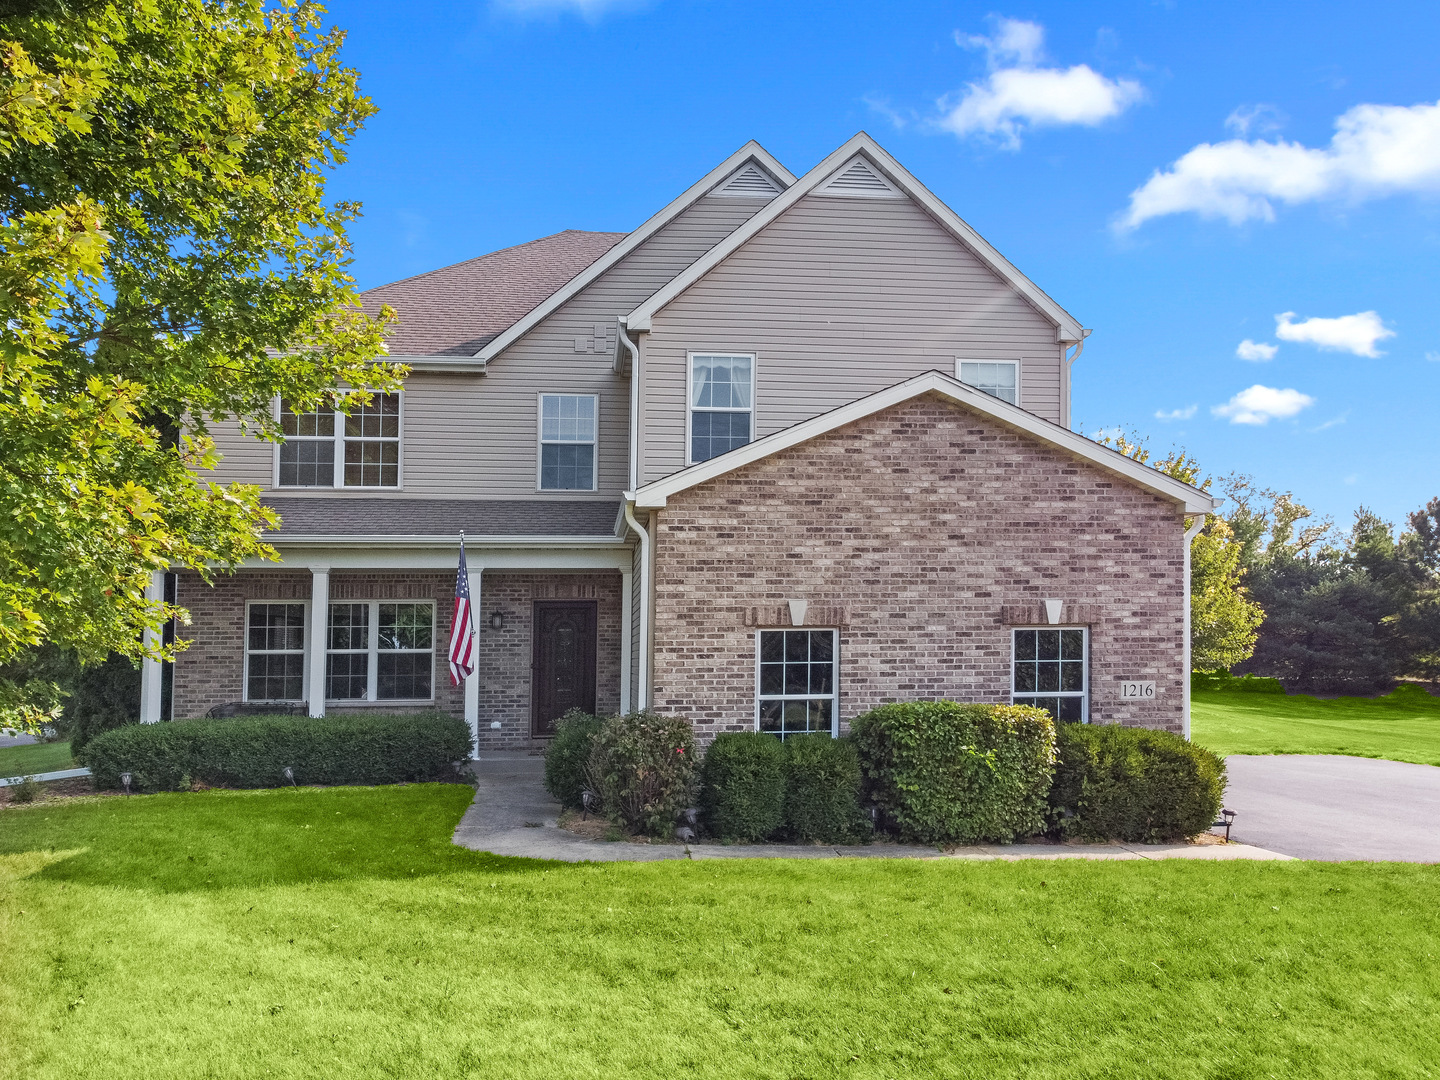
(497,620)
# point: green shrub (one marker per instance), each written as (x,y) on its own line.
(958,774)
(643,767)
(566,755)
(105,696)
(252,752)
(742,786)
(822,790)
(1223,680)
(1133,784)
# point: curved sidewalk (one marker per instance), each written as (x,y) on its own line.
(513,815)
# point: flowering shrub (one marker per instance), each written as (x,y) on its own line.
(643,767)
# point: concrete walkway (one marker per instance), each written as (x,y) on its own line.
(1335,808)
(513,815)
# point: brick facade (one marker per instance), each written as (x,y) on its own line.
(211,671)
(925,532)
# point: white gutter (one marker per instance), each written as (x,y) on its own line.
(624,338)
(642,686)
(1190,534)
(1069,379)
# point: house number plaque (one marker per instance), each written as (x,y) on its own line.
(1136,691)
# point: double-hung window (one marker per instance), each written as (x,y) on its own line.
(379,651)
(1050,670)
(326,448)
(998,378)
(797,681)
(275,652)
(567,442)
(722,404)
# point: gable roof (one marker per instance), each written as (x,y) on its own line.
(455,310)
(1067,327)
(750,152)
(1195,501)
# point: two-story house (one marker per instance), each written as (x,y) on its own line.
(792,448)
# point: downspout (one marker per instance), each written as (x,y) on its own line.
(642,683)
(1190,534)
(624,335)
(1069,364)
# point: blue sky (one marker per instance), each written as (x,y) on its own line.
(1189,179)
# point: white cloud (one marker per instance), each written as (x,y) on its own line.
(589,10)
(1377,150)
(1262,119)
(1349,333)
(1433,357)
(1019,94)
(1261,404)
(1259,351)
(1176,414)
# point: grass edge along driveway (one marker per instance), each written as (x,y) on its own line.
(337,932)
(1395,728)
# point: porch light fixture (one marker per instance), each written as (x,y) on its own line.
(497,620)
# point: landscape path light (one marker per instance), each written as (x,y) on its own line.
(125,779)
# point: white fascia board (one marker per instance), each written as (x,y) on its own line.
(552,558)
(1193,500)
(453,365)
(452,540)
(1067,328)
(701,187)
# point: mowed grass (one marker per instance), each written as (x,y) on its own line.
(35,758)
(336,933)
(1247,723)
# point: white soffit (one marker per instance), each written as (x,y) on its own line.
(750,151)
(653,495)
(749,181)
(857,178)
(862,147)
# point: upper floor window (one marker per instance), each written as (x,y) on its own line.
(326,448)
(722,404)
(567,442)
(998,378)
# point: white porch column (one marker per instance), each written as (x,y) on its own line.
(319,633)
(150,669)
(472,681)
(627,652)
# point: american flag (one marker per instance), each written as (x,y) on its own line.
(462,625)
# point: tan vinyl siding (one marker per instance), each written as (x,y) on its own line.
(470,435)
(839,298)
(243,458)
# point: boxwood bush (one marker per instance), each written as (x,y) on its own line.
(742,786)
(252,752)
(1133,784)
(643,768)
(947,773)
(822,790)
(566,756)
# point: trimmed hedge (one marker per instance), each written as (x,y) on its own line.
(1223,680)
(643,768)
(252,752)
(742,786)
(822,790)
(566,756)
(1133,784)
(947,773)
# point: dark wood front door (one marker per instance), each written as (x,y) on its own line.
(563,669)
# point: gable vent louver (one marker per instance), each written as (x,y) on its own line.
(860,178)
(749,182)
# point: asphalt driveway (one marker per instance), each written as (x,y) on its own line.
(1336,808)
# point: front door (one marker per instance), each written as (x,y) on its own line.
(563,669)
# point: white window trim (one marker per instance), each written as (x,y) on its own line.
(540,443)
(1019,389)
(1083,695)
(245,661)
(690,395)
(834,695)
(339,451)
(373,650)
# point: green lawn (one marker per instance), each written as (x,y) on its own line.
(1246,723)
(35,758)
(336,933)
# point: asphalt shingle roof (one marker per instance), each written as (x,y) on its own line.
(456,310)
(443,517)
